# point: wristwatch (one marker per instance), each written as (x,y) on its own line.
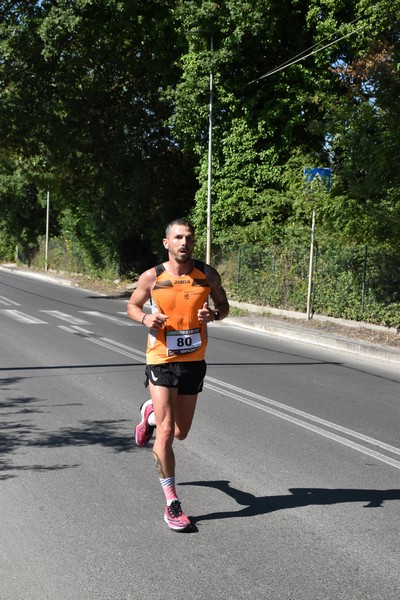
(217,315)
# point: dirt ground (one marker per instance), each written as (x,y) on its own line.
(379,337)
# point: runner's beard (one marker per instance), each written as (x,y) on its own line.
(182,259)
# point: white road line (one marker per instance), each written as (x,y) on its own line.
(134,323)
(122,322)
(23,318)
(106,343)
(130,352)
(325,433)
(8,302)
(127,350)
(77,330)
(305,415)
(302,419)
(113,342)
(65,317)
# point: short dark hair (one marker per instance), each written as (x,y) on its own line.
(184,222)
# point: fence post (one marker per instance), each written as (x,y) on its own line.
(238,268)
(310,270)
(315,270)
(272,287)
(46,250)
(364,278)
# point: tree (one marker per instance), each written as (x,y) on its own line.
(106,104)
(259,122)
(81,108)
(22,217)
(267,126)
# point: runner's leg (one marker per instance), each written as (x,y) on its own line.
(164,403)
(174,415)
(184,413)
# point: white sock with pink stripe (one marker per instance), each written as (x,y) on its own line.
(168,485)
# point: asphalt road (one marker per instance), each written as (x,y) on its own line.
(291,473)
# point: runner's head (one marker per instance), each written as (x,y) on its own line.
(179,241)
(179,222)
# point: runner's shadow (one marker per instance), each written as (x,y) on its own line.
(298,497)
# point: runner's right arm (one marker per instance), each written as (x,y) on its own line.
(139,297)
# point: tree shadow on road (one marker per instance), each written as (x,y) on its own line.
(104,432)
(19,433)
(298,497)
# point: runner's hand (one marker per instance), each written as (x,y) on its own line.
(205,314)
(155,321)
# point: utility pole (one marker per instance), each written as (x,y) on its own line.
(46,253)
(209,33)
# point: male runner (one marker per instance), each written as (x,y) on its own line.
(179,290)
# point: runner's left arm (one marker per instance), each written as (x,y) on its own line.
(218,296)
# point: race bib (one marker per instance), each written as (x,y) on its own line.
(183,342)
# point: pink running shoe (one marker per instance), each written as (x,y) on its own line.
(175,518)
(144,431)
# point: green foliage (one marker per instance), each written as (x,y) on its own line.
(338,109)
(257,127)
(106,104)
(82,109)
(22,217)
(66,257)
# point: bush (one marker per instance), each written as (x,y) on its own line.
(67,257)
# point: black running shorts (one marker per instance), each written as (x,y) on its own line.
(188,376)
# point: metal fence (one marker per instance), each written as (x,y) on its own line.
(355,282)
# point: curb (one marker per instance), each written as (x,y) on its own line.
(59,279)
(281,330)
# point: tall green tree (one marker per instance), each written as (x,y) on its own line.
(259,122)
(106,103)
(363,127)
(269,125)
(81,108)
(22,215)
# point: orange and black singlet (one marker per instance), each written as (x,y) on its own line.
(182,338)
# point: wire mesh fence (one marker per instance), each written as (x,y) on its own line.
(355,282)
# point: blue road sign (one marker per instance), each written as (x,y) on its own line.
(322,174)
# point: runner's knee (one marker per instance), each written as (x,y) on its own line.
(180,435)
(165,433)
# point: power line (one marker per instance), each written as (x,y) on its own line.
(302,56)
(315,45)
